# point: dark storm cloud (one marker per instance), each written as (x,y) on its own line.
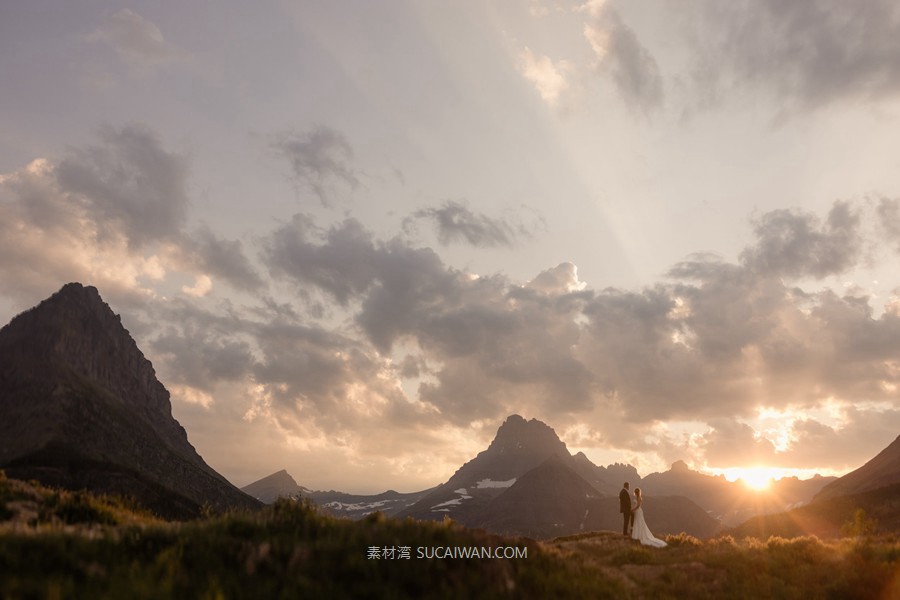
(321,159)
(128,185)
(455,222)
(794,244)
(807,53)
(620,53)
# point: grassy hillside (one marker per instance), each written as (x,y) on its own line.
(63,544)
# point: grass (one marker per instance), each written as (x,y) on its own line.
(56,544)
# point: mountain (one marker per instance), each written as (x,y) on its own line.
(609,479)
(355,506)
(548,501)
(81,407)
(274,486)
(881,471)
(518,447)
(826,517)
(527,483)
(730,501)
(874,488)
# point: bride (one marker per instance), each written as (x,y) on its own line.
(639,530)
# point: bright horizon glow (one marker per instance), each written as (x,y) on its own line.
(761,477)
(757,478)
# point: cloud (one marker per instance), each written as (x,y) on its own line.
(112,214)
(137,41)
(719,340)
(730,443)
(546,76)
(205,251)
(128,185)
(888,212)
(806,54)
(562,278)
(794,244)
(620,53)
(454,221)
(413,351)
(201,357)
(340,262)
(321,159)
(47,238)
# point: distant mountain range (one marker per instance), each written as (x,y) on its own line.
(355,506)
(874,488)
(81,408)
(527,483)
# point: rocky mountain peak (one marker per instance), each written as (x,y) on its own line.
(81,407)
(76,328)
(518,435)
(679,466)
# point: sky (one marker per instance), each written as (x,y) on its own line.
(353,237)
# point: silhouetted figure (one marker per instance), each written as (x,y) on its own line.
(625,509)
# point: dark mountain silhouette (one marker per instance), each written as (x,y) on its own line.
(81,408)
(553,500)
(518,447)
(881,471)
(355,506)
(548,501)
(528,483)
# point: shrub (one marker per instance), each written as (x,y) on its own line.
(683,539)
(861,525)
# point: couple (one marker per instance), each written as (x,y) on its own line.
(635,517)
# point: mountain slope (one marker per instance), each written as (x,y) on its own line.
(81,407)
(274,486)
(518,447)
(548,501)
(881,471)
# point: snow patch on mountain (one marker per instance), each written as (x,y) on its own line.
(490,483)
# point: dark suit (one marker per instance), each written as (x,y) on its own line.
(625,509)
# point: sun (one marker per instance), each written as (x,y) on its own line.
(757,478)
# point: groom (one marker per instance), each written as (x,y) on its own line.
(625,509)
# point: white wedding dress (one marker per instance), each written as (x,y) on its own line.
(641,532)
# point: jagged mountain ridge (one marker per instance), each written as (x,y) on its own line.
(81,407)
